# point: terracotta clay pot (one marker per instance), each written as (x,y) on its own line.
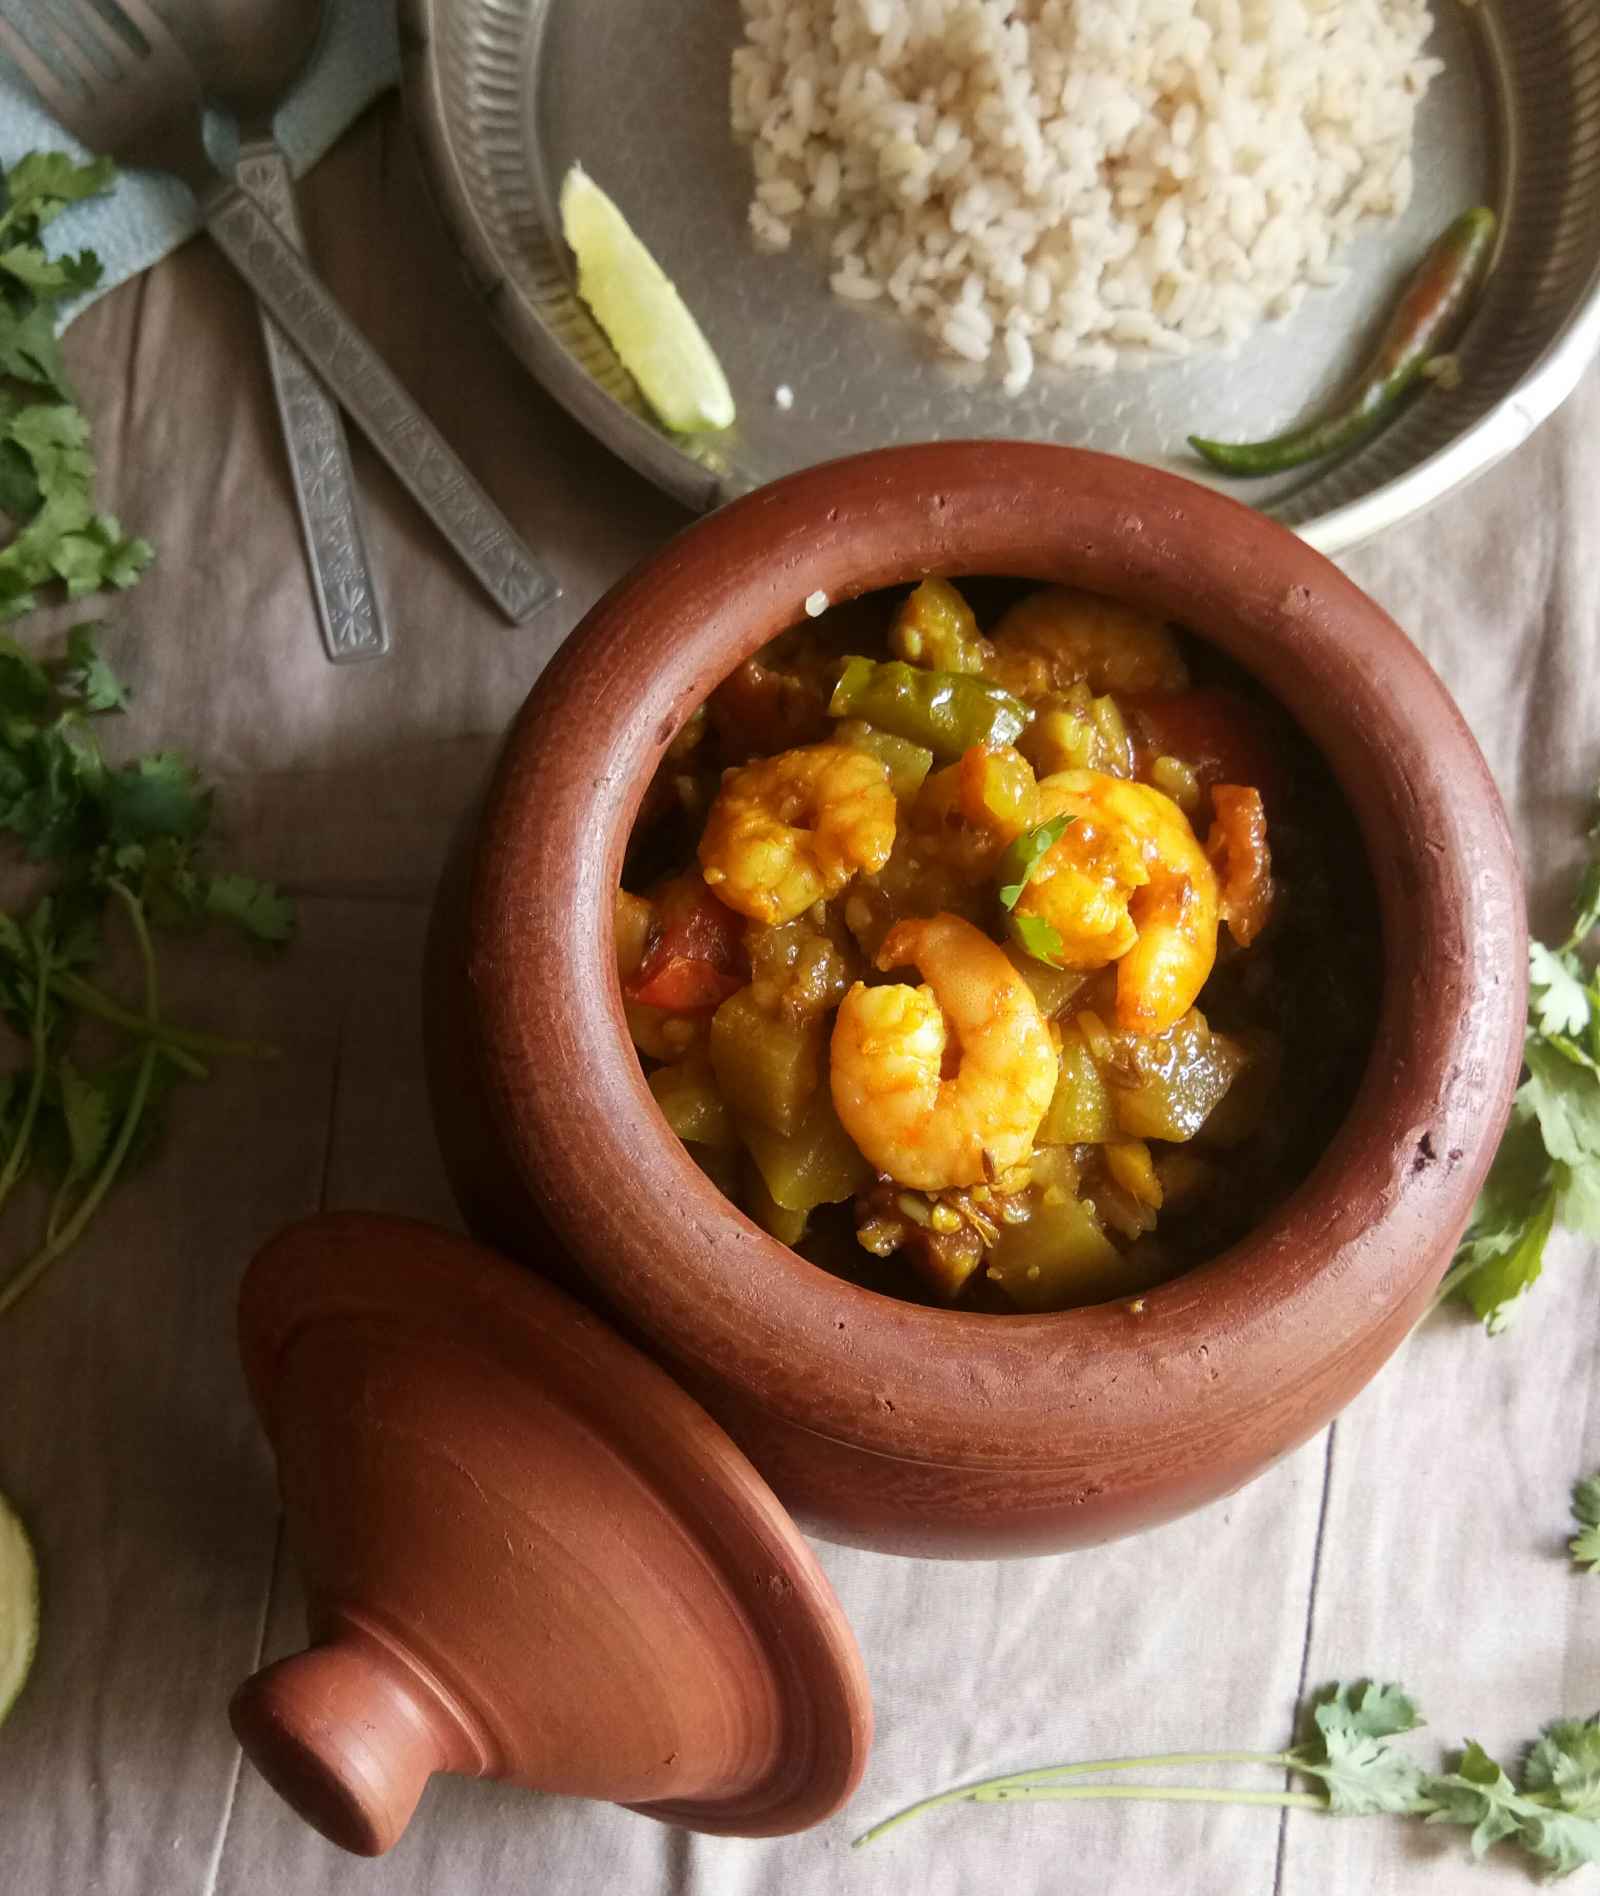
(927,1431)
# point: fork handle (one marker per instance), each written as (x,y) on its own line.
(357,376)
(348,607)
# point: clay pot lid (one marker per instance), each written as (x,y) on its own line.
(527,1554)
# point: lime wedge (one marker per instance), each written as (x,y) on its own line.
(634,302)
(19,1607)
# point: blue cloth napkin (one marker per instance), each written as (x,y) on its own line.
(147,215)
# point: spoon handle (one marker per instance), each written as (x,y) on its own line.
(353,371)
(348,606)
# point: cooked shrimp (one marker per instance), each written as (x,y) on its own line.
(1060,637)
(790,830)
(965,814)
(1127,881)
(1237,847)
(892,1047)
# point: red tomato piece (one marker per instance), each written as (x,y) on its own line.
(694,958)
(1222,737)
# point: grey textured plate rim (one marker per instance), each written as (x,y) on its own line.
(570,358)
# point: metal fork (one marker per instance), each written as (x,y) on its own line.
(142,104)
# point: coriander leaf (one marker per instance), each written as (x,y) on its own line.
(1023,857)
(1566,1099)
(158,796)
(42,183)
(19,488)
(1558,1002)
(256,907)
(1478,1793)
(1585,1545)
(30,351)
(1369,1710)
(99,554)
(1566,1843)
(1579,1206)
(24,686)
(53,277)
(1037,937)
(1562,1774)
(86,677)
(1363,1775)
(1565,1759)
(86,1114)
(1516,1180)
(1499,1281)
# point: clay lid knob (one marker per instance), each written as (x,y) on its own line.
(345,1737)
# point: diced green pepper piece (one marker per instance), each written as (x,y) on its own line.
(948,712)
(906,763)
(767,1065)
(936,627)
(1081,1112)
(816,1164)
(691,1105)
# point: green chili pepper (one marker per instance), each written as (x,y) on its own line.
(1431,315)
(947,712)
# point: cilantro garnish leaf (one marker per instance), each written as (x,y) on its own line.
(1554,1813)
(1563,1774)
(1361,1772)
(46,469)
(1547,1170)
(1023,857)
(86,1115)
(1585,1544)
(41,184)
(1478,1793)
(85,676)
(1037,937)
(1557,998)
(255,907)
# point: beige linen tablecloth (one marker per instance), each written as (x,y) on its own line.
(1421,1538)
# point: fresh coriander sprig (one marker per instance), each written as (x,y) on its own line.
(126,839)
(1032,933)
(1547,1170)
(46,469)
(1554,1813)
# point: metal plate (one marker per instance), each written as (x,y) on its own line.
(507,93)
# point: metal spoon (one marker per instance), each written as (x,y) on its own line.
(130,91)
(249,54)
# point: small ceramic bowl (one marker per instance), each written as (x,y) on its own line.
(927,1431)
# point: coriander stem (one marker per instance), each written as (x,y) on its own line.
(17,1157)
(1153,1794)
(85,996)
(987,1789)
(17,1286)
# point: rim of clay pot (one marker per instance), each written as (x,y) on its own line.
(1265,1341)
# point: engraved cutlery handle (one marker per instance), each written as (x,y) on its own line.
(348,607)
(353,372)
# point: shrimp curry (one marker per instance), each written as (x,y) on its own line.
(1010,968)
